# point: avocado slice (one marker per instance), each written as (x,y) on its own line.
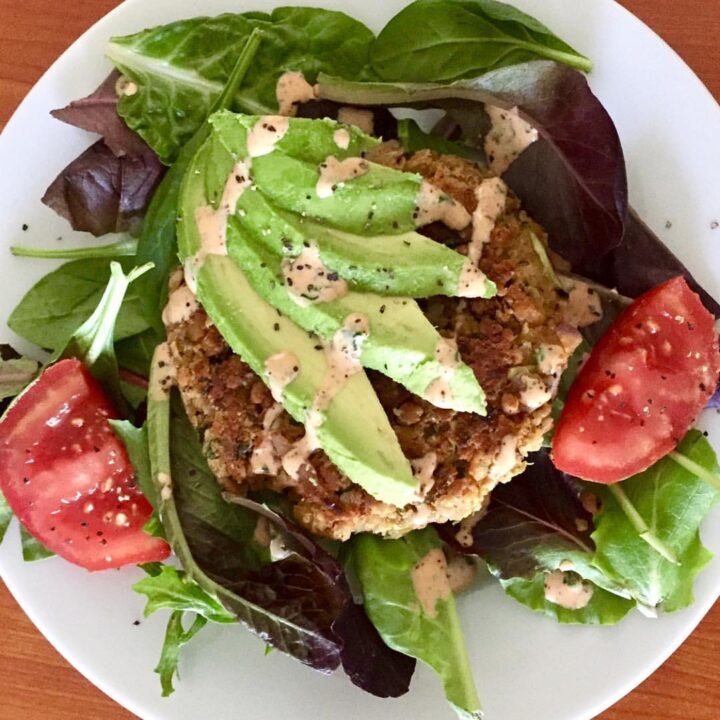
(368,452)
(365,229)
(402,343)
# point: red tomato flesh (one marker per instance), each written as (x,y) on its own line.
(68,477)
(642,387)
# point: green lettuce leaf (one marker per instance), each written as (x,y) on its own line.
(673,502)
(6,515)
(180,68)
(604,608)
(445,40)
(175,590)
(32,549)
(384,569)
(64,299)
(175,637)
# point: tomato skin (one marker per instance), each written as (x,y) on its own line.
(67,476)
(642,387)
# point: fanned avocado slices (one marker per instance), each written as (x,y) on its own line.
(265,241)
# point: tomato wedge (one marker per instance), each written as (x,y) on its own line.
(642,387)
(68,477)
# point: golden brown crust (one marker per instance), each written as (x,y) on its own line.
(501,339)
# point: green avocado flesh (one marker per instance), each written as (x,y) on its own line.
(243,282)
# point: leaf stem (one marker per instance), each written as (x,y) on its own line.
(127,247)
(641,526)
(711,478)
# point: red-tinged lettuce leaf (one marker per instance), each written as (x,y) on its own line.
(641,262)
(367,660)
(531,525)
(572,180)
(97,113)
(101,193)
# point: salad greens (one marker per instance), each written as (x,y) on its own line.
(172,100)
(454,39)
(65,298)
(425,628)
(186,64)
(673,502)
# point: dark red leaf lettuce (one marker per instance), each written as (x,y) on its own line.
(101,193)
(97,113)
(367,660)
(540,511)
(108,187)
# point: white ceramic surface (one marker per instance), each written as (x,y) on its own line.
(526,665)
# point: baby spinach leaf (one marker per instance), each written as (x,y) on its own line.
(445,40)
(6,515)
(16,372)
(673,502)
(136,443)
(181,68)
(135,353)
(100,192)
(175,637)
(571,180)
(32,549)
(93,341)
(64,299)
(425,628)
(158,243)
(604,608)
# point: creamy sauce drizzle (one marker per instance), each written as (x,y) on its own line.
(343,361)
(584,306)
(309,281)
(264,460)
(165,375)
(472,281)
(534,392)
(509,136)
(434,205)
(291,90)
(424,471)
(430,581)
(491,196)
(212,223)
(363,120)
(567,591)
(165,483)
(461,572)
(265,134)
(464,535)
(335,173)
(439,392)
(506,459)
(551,359)
(280,370)
(180,306)
(125,87)
(341,137)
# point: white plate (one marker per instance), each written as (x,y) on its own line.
(526,665)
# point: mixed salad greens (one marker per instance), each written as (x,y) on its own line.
(100,462)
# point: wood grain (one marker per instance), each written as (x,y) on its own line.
(35,681)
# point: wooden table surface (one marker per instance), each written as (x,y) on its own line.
(36,683)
